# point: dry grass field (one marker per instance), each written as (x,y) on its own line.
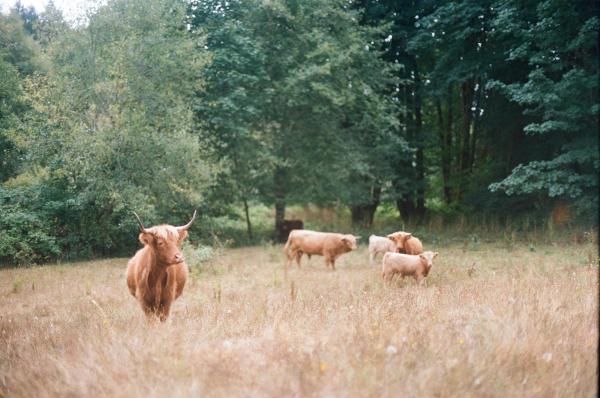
(492,322)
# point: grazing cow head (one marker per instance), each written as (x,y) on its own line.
(165,240)
(427,260)
(350,241)
(400,238)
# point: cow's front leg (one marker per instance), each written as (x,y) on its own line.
(147,308)
(146,303)
(387,275)
(332,262)
(167,297)
(164,311)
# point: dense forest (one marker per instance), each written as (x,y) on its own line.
(484,108)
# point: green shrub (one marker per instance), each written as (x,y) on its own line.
(25,231)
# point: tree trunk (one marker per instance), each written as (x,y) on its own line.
(449,140)
(363,214)
(248,223)
(279,217)
(419,143)
(445,136)
(405,191)
(279,180)
(406,207)
(476,124)
(465,142)
(467,100)
(445,162)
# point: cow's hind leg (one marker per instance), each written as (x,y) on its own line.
(299,257)
(372,257)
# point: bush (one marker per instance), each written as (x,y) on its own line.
(26,233)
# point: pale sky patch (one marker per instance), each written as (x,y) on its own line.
(72,10)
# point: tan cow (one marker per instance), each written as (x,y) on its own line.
(157,273)
(417,266)
(379,245)
(406,243)
(327,244)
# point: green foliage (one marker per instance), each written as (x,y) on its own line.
(561,97)
(27,234)
(110,125)
(430,110)
(258,91)
(196,256)
(19,57)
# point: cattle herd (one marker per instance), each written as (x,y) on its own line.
(157,273)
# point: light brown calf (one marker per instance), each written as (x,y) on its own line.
(417,266)
(327,244)
(406,243)
(379,245)
(157,273)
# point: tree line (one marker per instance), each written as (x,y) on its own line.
(437,107)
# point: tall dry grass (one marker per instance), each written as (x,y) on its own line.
(494,321)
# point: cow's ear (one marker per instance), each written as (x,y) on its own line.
(408,236)
(435,254)
(182,235)
(146,238)
(422,257)
(391,237)
(344,239)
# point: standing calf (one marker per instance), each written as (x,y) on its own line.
(379,245)
(418,266)
(327,244)
(406,243)
(157,273)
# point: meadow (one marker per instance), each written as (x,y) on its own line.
(493,321)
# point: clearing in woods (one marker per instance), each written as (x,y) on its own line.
(492,321)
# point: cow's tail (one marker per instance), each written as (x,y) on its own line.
(286,247)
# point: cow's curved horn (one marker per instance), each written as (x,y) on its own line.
(186,226)
(142,228)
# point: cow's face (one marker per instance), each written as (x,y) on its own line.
(427,259)
(399,239)
(350,241)
(165,240)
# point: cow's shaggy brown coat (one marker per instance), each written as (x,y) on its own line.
(157,273)
(327,244)
(406,243)
(417,266)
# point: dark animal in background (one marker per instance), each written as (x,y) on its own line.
(284,229)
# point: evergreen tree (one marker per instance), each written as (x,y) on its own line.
(560,96)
